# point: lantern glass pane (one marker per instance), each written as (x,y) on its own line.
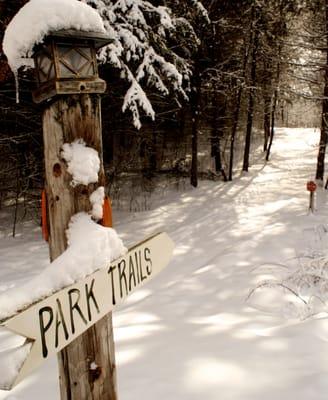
(51,72)
(75,62)
(65,72)
(45,68)
(86,51)
(87,70)
(63,51)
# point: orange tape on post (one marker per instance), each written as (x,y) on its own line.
(107,213)
(44,223)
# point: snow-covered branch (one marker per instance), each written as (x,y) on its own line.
(141,51)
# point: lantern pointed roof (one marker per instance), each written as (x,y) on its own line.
(99,39)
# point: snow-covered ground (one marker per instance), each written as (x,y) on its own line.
(190,333)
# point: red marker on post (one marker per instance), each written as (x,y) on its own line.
(311,187)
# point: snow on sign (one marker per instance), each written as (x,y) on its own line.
(54,322)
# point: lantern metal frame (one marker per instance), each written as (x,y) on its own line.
(66,63)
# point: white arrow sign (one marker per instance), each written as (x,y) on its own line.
(53,323)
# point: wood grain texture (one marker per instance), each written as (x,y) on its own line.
(67,119)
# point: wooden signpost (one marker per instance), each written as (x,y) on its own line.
(53,323)
(69,87)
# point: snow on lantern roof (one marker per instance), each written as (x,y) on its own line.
(99,39)
(38,18)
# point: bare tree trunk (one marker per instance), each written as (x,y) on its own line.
(250,111)
(266,121)
(324,117)
(234,131)
(69,118)
(153,153)
(273,116)
(237,111)
(323,141)
(274,106)
(194,151)
(196,113)
(216,136)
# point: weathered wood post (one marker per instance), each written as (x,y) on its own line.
(69,87)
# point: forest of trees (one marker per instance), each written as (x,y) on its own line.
(185,78)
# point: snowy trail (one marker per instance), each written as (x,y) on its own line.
(189,334)
(217,346)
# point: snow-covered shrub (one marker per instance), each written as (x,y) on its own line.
(299,291)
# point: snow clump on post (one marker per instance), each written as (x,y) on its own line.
(83,162)
(97,201)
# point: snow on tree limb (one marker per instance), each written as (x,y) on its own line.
(141,51)
(135,97)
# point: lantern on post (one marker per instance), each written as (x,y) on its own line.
(66,63)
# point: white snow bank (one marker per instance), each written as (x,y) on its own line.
(97,201)
(10,363)
(83,162)
(38,18)
(90,247)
